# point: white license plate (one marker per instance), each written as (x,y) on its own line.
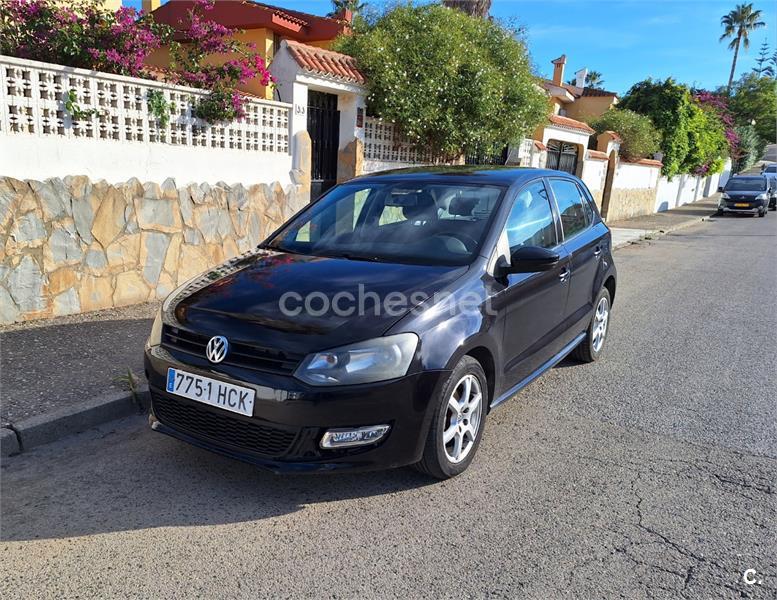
(210,391)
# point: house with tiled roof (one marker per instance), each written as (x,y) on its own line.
(264,25)
(325,88)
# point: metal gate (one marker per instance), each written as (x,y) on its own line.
(562,157)
(477,157)
(324,130)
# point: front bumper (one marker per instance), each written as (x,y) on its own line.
(290,418)
(751,210)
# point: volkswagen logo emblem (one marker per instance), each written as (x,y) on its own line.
(217,348)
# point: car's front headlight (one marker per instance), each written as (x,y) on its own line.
(762,196)
(366,362)
(155,337)
(725,196)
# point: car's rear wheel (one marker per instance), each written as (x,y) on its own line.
(457,426)
(591,348)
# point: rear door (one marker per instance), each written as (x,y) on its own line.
(534,303)
(583,243)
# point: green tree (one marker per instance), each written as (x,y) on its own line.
(593,79)
(692,135)
(763,66)
(639,135)
(737,25)
(754,101)
(442,90)
(750,148)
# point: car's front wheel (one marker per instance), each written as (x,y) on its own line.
(591,348)
(457,426)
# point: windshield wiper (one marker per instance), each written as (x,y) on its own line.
(351,256)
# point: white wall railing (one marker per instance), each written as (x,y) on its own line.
(384,145)
(38,132)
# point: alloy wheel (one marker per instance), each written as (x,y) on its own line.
(601,317)
(463,418)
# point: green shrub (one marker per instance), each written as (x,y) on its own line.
(692,135)
(639,137)
(451,82)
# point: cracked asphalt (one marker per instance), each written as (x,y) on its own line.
(650,474)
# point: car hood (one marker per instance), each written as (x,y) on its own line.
(242,299)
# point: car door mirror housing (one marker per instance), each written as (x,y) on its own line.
(528,259)
(720,188)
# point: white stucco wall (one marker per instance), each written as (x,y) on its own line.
(594,173)
(631,176)
(40,157)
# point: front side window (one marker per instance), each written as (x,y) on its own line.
(574,210)
(412,222)
(530,222)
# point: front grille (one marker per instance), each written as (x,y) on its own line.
(240,354)
(240,434)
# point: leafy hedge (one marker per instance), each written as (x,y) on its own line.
(451,82)
(693,136)
(639,137)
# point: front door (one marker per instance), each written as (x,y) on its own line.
(584,245)
(534,303)
(324,130)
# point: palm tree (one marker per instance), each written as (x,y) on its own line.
(592,80)
(474,8)
(737,25)
(339,5)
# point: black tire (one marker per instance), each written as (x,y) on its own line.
(585,351)
(718,213)
(762,213)
(435,461)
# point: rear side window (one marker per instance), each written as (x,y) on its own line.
(531,221)
(574,209)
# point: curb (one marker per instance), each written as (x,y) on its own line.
(47,428)
(658,232)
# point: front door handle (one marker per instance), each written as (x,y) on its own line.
(564,274)
(598,251)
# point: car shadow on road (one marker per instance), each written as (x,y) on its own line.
(137,479)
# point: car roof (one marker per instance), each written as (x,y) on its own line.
(750,177)
(478,174)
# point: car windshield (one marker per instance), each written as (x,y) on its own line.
(746,184)
(771,169)
(408,222)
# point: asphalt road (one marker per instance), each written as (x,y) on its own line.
(650,474)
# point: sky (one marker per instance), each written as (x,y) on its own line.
(626,40)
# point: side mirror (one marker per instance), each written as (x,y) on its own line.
(528,259)
(720,189)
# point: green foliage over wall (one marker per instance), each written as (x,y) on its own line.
(451,82)
(692,135)
(640,138)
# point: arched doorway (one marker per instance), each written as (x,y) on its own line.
(562,156)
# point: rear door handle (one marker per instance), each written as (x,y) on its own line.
(564,275)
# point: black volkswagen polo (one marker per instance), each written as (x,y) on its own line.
(381,324)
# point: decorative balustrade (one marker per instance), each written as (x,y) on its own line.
(382,142)
(34,98)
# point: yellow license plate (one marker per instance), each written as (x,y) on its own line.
(741,205)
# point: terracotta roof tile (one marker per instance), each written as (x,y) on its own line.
(325,62)
(647,162)
(540,146)
(614,135)
(570,123)
(595,154)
